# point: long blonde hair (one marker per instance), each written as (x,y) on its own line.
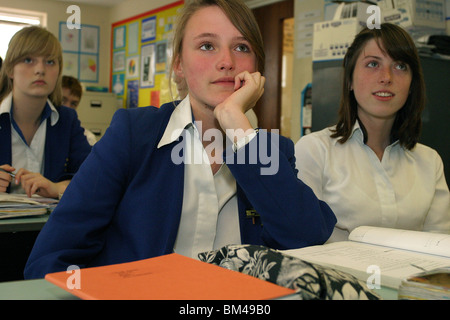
(31,41)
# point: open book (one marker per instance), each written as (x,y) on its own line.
(19,205)
(394,253)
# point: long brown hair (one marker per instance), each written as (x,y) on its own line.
(240,16)
(400,47)
(31,41)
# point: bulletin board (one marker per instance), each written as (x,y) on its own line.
(80,51)
(141,52)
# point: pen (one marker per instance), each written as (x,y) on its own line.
(416,266)
(10,173)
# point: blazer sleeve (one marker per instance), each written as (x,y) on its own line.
(291,215)
(75,231)
(66,146)
(79,146)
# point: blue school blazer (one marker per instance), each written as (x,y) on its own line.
(66,146)
(125,202)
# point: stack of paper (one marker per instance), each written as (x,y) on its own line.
(429,285)
(19,205)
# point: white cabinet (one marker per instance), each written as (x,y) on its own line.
(95,111)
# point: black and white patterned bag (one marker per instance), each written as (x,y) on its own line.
(310,281)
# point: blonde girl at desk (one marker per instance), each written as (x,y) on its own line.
(370,168)
(41,143)
(145,196)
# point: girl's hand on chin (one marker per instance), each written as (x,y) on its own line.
(249,88)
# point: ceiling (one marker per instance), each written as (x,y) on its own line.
(105,3)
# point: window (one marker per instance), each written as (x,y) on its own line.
(12,20)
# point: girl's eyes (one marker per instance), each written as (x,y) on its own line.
(398,65)
(401,66)
(31,60)
(207,47)
(243,48)
(239,48)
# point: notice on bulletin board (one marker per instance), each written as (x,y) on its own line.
(141,52)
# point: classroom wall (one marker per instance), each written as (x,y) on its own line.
(94,15)
(132,8)
(56,12)
(302,74)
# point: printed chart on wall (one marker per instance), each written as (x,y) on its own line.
(141,51)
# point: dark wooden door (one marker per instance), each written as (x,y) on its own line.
(270,19)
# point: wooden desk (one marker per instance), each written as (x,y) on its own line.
(43,290)
(32,223)
(39,289)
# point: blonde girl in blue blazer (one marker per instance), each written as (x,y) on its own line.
(41,144)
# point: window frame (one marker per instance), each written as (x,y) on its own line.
(11,17)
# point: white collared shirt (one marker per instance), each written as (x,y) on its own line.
(209,218)
(405,190)
(30,157)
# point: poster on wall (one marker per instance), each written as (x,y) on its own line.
(141,52)
(119,37)
(161,56)
(132,67)
(88,69)
(133,94)
(70,64)
(69,39)
(149,29)
(119,61)
(89,39)
(118,84)
(148,66)
(133,38)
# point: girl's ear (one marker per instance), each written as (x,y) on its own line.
(178,69)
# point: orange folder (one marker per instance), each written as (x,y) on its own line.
(168,277)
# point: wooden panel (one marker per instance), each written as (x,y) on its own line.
(270,19)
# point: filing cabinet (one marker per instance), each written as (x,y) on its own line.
(96,110)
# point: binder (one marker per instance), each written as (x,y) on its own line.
(168,277)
